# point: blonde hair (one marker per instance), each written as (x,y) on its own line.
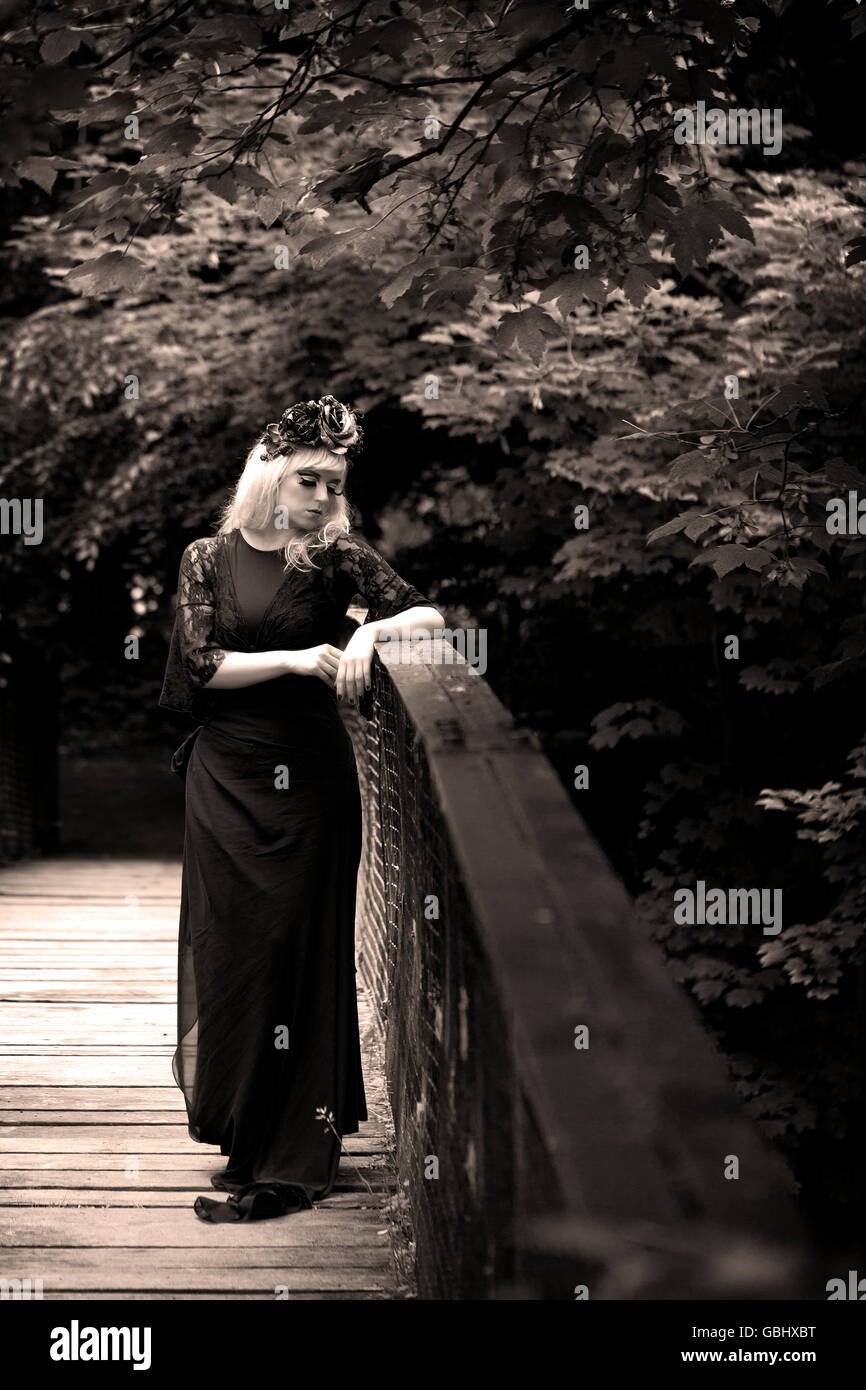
(253,502)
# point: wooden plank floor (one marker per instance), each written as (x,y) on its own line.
(97,1172)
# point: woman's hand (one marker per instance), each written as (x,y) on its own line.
(323,661)
(353,676)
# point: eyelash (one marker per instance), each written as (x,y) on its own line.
(311,482)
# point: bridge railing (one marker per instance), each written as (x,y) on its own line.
(565,1128)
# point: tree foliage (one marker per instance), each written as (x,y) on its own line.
(502,139)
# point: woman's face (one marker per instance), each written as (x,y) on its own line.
(308,489)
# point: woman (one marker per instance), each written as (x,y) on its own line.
(268,1054)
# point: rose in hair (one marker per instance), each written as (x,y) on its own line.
(338,427)
(300,423)
(325,423)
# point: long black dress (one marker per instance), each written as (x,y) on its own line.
(268,1054)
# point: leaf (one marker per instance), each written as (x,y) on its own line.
(61,43)
(698,525)
(268,208)
(60,89)
(326,111)
(692,234)
(223,186)
(108,274)
(401,284)
(236,28)
(41,171)
(357,179)
(732,219)
(806,567)
(528,21)
(322,248)
(569,291)
(744,998)
(670,528)
(528,331)
(640,279)
(179,137)
(757,558)
(723,558)
(397,36)
(118,104)
(707,990)
(694,464)
(457,285)
(116,227)
(841,473)
(758,678)
(788,398)
(245,173)
(697,229)
(810,379)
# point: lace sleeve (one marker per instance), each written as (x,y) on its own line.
(195,616)
(193,654)
(366,572)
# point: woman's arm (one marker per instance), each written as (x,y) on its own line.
(394,605)
(353,676)
(197,662)
(239,669)
(247,668)
(412,623)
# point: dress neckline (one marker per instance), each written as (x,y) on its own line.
(276,550)
(286,578)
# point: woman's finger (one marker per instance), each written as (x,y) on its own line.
(353,680)
(349,680)
(341,680)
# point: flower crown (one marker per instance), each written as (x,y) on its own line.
(315,424)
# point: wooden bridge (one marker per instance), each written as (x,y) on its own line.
(490,928)
(97,1171)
